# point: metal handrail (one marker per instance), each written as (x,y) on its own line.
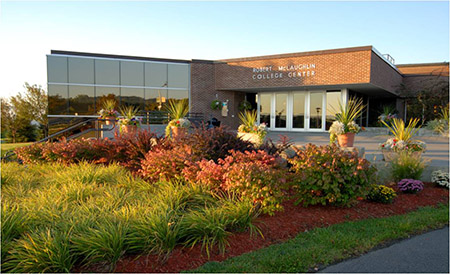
(11,153)
(76,126)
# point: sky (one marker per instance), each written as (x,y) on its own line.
(411,32)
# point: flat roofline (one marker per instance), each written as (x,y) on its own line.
(297,54)
(423,64)
(114,56)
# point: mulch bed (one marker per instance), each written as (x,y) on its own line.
(283,226)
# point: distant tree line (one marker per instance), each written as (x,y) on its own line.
(24,116)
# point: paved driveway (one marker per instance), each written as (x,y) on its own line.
(426,253)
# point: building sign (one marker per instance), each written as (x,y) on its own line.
(289,71)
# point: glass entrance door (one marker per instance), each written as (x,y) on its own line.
(316,105)
(280,110)
(296,111)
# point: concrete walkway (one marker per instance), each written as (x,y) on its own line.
(426,253)
(437,146)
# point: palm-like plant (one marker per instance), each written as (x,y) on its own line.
(350,111)
(401,132)
(248,118)
(109,105)
(177,109)
(444,113)
(129,112)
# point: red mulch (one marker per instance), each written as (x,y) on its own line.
(283,226)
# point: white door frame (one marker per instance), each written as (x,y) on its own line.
(290,108)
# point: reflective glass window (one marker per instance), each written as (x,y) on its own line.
(132,97)
(107,72)
(131,73)
(333,100)
(155,75)
(81,70)
(280,110)
(298,119)
(315,110)
(178,94)
(57,99)
(178,76)
(81,100)
(264,108)
(155,99)
(106,93)
(56,69)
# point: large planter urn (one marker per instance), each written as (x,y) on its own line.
(178,132)
(251,137)
(129,129)
(346,140)
(109,120)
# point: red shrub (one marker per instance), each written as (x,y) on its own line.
(30,154)
(165,164)
(206,173)
(253,175)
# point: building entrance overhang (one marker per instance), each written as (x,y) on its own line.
(366,89)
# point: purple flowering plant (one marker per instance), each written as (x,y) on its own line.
(410,185)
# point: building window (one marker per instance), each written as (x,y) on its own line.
(81,70)
(131,73)
(56,69)
(57,99)
(334,98)
(81,100)
(107,72)
(155,75)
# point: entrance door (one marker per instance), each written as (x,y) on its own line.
(316,111)
(296,111)
(280,114)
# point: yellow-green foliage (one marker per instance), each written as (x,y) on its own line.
(54,216)
(381,194)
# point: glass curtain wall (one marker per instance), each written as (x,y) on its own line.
(80,85)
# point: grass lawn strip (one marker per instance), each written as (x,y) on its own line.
(323,246)
(11,146)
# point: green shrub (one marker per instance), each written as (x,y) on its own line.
(407,166)
(329,175)
(46,250)
(381,194)
(105,241)
(56,215)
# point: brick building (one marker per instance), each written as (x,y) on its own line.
(292,92)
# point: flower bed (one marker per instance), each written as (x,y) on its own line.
(283,226)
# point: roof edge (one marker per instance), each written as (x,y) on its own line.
(114,56)
(297,54)
(423,64)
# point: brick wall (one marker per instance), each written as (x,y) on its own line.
(334,67)
(383,75)
(203,92)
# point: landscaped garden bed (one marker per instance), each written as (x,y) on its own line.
(283,226)
(147,203)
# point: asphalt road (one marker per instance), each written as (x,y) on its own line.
(426,253)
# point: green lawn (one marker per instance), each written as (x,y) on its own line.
(324,246)
(10,146)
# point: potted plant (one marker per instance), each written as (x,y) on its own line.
(216,104)
(245,105)
(128,121)
(344,127)
(402,140)
(387,115)
(108,111)
(249,131)
(178,124)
